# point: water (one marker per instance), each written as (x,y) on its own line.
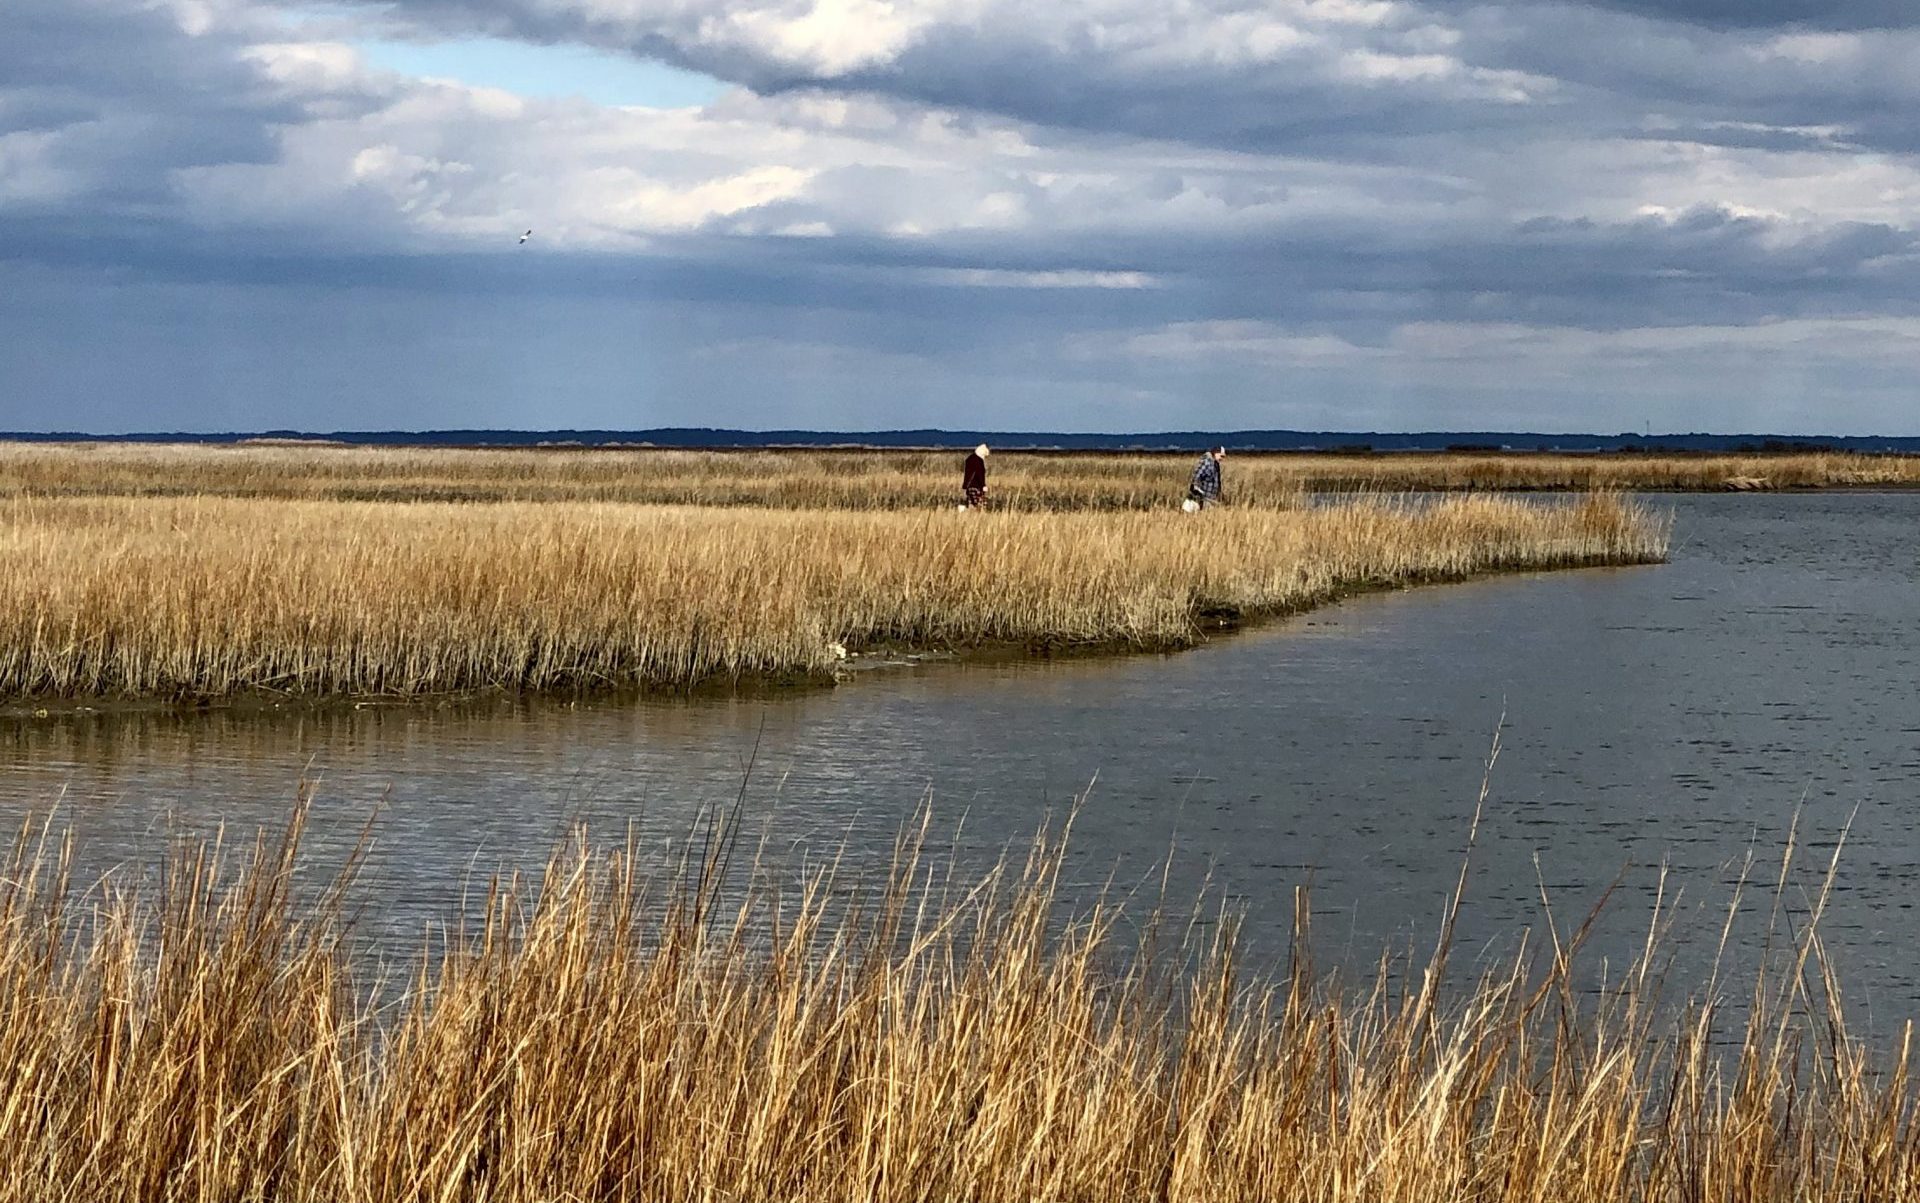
(1681,713)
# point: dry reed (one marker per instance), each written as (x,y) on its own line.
(205,597)
(606,1036)
(855,479)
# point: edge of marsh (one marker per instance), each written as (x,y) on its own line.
(882,658)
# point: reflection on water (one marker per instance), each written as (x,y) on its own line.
(1673,714)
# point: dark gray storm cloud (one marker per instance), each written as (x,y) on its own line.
(1766,14)
(100,101)
(1322,78)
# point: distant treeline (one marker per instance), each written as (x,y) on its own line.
(1345,442)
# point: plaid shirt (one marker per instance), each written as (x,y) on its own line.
(1206,479)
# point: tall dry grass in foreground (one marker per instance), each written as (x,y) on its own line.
(195,598)
(608,1037)
(855,479)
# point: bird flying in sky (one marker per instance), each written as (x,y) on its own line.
(525,236)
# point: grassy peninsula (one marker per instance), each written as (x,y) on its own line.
(209,596)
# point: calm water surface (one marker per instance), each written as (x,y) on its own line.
(1678,714)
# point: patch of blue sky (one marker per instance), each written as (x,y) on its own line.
(535,70)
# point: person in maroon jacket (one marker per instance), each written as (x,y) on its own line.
(973,480)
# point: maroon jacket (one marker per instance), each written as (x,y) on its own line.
(975,476)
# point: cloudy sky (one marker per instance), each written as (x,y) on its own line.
(1596,215)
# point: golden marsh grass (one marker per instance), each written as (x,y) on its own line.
(605,1035)
(869,479)
(204,597)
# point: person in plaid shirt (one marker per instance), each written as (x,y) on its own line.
(1204,489)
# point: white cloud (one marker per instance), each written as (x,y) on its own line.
(306,67)
(979,277)
(827,37)
(1818,49)
(1250,342)
(385,161)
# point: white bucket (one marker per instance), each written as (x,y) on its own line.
(1190,506)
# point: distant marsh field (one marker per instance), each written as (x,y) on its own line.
(862,479)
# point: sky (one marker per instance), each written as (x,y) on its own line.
(1103,215)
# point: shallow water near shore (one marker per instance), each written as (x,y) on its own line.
(1681,712)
